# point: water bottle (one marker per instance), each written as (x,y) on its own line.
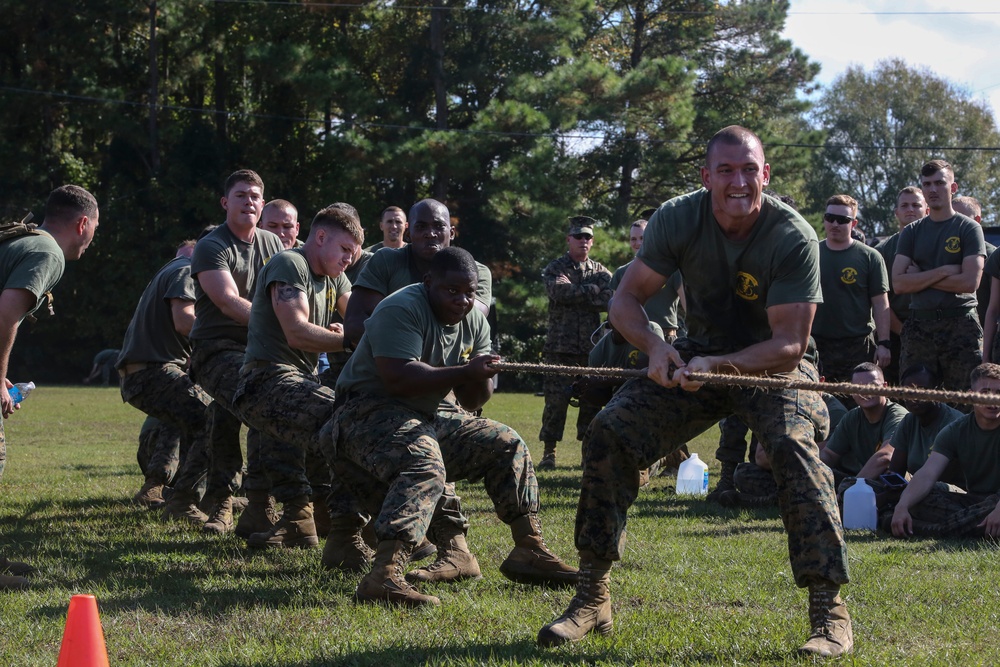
(20,391)
(692,477)
(860,512)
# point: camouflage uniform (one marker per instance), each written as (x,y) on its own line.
(960,337)
(574,314)
(646,421)
(159,453)
(945,513)
(397,460)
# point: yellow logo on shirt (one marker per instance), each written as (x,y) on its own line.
(849,275)
(953,244)
(746,286)
(466,355)
(633,358)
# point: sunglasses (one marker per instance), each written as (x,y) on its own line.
(581,237)
(835,219)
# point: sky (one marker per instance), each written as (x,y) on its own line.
(956,41)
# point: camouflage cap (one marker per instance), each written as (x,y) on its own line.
(581,224)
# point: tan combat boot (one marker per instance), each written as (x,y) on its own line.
(454,562)
(385,582)
(321,515)
(548,461)
(530,561)
(9,582)
(221,519)
(150,495)
(425,549)
(589,610)
(296,528)
(346,549)
(831,633)
(259,516)
(183,506)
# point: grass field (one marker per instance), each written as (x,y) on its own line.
(700,585)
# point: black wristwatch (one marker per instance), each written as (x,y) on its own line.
(885,343)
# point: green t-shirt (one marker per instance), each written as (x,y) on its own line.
(608,354)
(266,339)
(837,412)
(850,279)
(220,250)
(403,326)
(932,244)
(32,262)
(391,269)
(977,452)
(730,285)
(662,307)
(151,336)
(856,439)
(916,440)
(899,303)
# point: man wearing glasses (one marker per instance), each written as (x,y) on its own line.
(939,262)
(855,309)
(579,290)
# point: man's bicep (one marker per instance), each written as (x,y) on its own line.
(289,303)
(791,321)
(899,265)
(641,281)
(218,285)
(15,303)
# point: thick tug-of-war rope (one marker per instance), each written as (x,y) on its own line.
(770,382)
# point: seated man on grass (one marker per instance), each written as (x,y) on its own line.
(395,451)
(973,442)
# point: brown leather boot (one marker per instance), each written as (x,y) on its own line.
(296,528)
(726,482)
(530,561)
(183,506)
(385,582)
(831,633)
(454,562)
(346,549)
(588,611)
(259,516)
(548,461)
(425,549)
(150,495)
(221,519)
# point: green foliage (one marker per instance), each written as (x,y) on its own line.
(882,125)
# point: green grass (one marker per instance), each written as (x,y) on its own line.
(699,584)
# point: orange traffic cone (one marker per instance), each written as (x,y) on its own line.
(83,640)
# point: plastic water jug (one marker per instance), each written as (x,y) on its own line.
(692,477)
(860,512)
(20,391)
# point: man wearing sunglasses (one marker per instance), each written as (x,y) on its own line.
(579,290)
(855,296)
(939,262)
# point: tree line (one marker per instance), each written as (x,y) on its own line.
(515,113)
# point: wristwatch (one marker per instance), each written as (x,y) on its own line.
(884,343)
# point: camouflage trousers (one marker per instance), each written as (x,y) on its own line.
(646,421)
(160,452)
(166,392)
(733,441)
(753,480)
(952,346)
(218,467)
(558,390)
(289,408)
(839,356)
(947,513)
(397,461)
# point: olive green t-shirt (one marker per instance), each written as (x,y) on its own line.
(608,354)
(662,307)
(403,326)
(850,278)
(266,339)
(856,439)
(730,285)
(391,269)
(220,250)
(899,303)
(916,440)
(932,244)
(151,336)
(32,262)
(977,452)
